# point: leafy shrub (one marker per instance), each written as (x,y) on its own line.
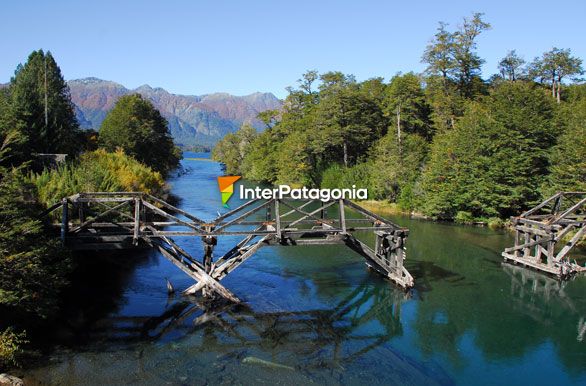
(11,346)
(496,223)
(463,217)
(97,171)
(337,176)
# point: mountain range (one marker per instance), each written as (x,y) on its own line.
(193,120)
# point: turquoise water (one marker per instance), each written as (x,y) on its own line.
(316,315)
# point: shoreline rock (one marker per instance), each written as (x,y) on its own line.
(10,380)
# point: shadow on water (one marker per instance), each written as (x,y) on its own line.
(96,291)
(316,345)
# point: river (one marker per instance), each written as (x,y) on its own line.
(317,315)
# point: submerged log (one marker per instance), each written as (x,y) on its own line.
(273,365)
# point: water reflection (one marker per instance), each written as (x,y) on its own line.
(531,289)
(307,333)
(235,342)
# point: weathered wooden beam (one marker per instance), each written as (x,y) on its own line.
(233,211)
(530,244)
(51,209)
(197,274)
(342,214)
(101,215)
(555,270)
(183,252)
(533,231)
(296,208)
(570,244)
(243,216)
(235,249)
(170,216)
(371,215)
(572,209)
(221,271)
(278,224)
(173,208)
(137,202)
(543,204)
(118,212)
(311,215)
(64,219)
(400,276)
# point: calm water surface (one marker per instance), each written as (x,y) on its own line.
(317,315)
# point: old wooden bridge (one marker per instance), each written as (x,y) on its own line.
(98,221)
(541,233)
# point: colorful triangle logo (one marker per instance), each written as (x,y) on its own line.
(226,185)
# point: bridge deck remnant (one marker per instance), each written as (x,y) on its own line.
(540,233)
(120,220)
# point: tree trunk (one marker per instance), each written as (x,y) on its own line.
(553,87)
(399,127)
(345,154)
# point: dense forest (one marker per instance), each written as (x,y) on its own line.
(446,143)
(132,152)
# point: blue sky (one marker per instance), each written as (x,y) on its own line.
(197,47)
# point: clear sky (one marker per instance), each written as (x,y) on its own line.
(198,47)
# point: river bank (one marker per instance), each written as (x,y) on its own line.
(389,208)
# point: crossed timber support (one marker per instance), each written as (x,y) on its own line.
(545,234)
(125,220)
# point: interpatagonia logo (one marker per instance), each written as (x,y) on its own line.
(226,185)
(303,193)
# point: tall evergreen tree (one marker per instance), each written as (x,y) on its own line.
(42,106)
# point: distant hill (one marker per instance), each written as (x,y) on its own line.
(192,119)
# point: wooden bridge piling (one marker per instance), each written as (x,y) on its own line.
(540,233)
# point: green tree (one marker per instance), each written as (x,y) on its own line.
(260,161)
(32,267)
(137,127)
(453,56)
(348,120)
(231,149)
(407,107)
(439,54)
(11,131)
(269,117)
(42,106)
(511,65)
(395,173)
(568,157)
(554,67)
(494,161)
(468,62)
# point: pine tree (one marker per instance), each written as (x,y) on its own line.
(42,106)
